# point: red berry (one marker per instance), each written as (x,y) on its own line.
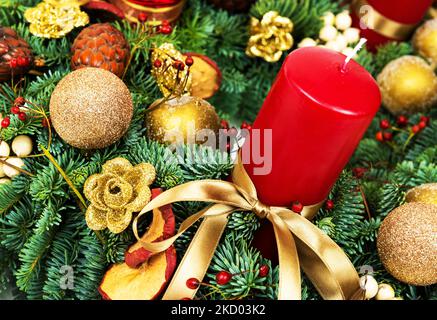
(186,298)
(6,122)
(424,119)
(297,207)
(13,63)
(22,116)
(249,127)
(329,205)
(157,63)
(384,124)
(165,23)
(422,124)
(19,101)
(189,61)
(415,128)
(228,146)
(379,136)
(142,17)
(193,283)
(165,29)
(224,124)
(22,62)
(359,172)
(264,270)
(388,136)
(223,277)
(15,110)
(179,65)
(402,121)
(45,123)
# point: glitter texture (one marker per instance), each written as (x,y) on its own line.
(425,40)
(426,193)
(91,108)
(407,243)
(116,193)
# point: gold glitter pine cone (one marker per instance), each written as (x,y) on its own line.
(408,85)
(179,119)
(91,108)
(101,46)
(116,193)
(407,243)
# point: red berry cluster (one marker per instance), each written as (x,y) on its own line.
(386,133)
(16,110)
(359,172)
(19,62)
(165,27)
(423,123)
(231,131)
(177,64)
(246,125)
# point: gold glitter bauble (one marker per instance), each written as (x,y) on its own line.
(91,108)
(426,193)
(178,120)
(408,85)
(425,40)
(407,242)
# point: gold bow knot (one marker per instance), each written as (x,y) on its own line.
(300,243)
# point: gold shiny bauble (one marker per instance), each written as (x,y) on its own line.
(408,85)
(180,119)
(385,292)
(407,243)
(370,286)
(91,108)
(425,40)
(426,193)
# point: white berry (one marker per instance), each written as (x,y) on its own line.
(4,180)
(343,21)
(22,146)
(349,52)
(328,33)
(307,42)
(11,172)
(369,284)
(352,35)
(333,45)
(5,151)
(341,42)
(385,292)
(328,19)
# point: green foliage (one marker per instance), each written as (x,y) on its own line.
(390,52)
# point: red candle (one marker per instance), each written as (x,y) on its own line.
(393,20)
(317,114)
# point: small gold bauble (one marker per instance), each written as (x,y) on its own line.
(425,40)
(408,85)
(5,150)
(370,286)
(179,120)
(407,243)
(91,108)
(425,193)
(385,292)
(22,145)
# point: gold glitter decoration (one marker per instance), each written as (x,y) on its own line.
(179,119)
(169,79)
(116,193)
(425,193)
(91,108)
(270,37)
(425,41)
(407,243)
(55,18)
(408,85)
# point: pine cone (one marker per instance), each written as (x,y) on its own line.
(101,46)
(15,54)
(233,5)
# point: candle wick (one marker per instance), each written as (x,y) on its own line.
(353,53)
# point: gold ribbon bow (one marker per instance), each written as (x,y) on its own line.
(300,243)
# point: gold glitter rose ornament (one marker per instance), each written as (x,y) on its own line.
(91,108)
(116,193)
(55,18)
(270,37)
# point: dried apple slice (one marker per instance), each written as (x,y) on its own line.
(161,228)
(146,282)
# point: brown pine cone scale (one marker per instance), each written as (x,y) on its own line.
(101,46)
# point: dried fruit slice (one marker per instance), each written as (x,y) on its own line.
(161,228)
(146,282)
(206,76)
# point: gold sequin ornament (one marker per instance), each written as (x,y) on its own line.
(425,193)
(170,79)
(408,85)
(180,119)
(270,37)
(116,193)
(407,243)
(91,108)
(55,18)
(425,41)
